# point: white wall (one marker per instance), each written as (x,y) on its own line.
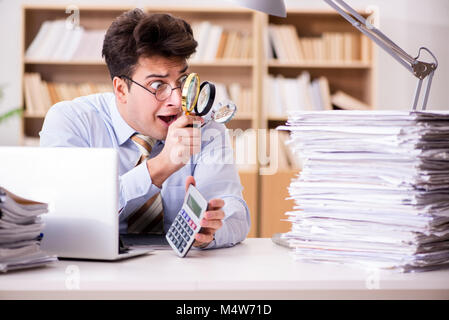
(410,23)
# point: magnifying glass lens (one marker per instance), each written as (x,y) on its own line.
(202,99)
(190,92)
(191,96)
(225,112)
(206,99)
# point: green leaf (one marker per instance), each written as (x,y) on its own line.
(10,114)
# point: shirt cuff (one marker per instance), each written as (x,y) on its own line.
(210,245)
(235,224)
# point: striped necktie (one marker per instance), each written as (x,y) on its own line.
(150,217)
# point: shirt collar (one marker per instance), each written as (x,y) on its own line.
(122,130)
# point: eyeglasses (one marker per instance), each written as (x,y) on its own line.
(162,92)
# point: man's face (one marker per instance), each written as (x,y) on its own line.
(142,111)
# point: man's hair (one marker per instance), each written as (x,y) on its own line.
(136,34)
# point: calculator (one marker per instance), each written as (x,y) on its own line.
(186,225)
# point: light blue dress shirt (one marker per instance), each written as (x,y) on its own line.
(94,121)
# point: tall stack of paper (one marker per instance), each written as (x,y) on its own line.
(20,233)
(374,189)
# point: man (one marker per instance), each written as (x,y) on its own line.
(146,57)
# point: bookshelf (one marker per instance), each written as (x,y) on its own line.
(229,69)
(73,71)
(249,70)
(336,51)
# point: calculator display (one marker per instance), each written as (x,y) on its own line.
(193,205)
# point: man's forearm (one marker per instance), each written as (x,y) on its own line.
(235,227)
(135,188)
(160,169)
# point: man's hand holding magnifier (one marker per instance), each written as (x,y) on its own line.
(183,141)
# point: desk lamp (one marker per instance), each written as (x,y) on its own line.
(420,69)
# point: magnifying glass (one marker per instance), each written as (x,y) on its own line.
(224,112)
(206,99)
(190,93)
(200,99)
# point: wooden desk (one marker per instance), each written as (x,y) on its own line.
(254,269)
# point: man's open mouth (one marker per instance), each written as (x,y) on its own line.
(168,119)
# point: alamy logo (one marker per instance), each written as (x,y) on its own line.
(372,281)
(72,21)
(72,280)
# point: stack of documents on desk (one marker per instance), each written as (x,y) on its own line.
(374,190)
(20,232)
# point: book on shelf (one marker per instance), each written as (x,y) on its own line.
(275,41)
(283,44)
(201,34)
(344,101)
(268,48)
(276,153)
(91,45)
(212,43)
(294,160)
(231,43)
(317,100)
(308,48)
(247,47)
(274,150)
(272,97)
(292,94)
(55,40)
(41,95)
(215,43)
(244,144)
(35,96)
(294,45)
(222,45)
(242,97)
(324,93)
(305,99)
(284,95)
(365,49)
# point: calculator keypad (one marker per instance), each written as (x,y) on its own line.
(181,230)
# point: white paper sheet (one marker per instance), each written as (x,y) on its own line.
(374,189)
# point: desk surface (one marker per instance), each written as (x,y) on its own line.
(254,269)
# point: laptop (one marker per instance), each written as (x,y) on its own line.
(80,186)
